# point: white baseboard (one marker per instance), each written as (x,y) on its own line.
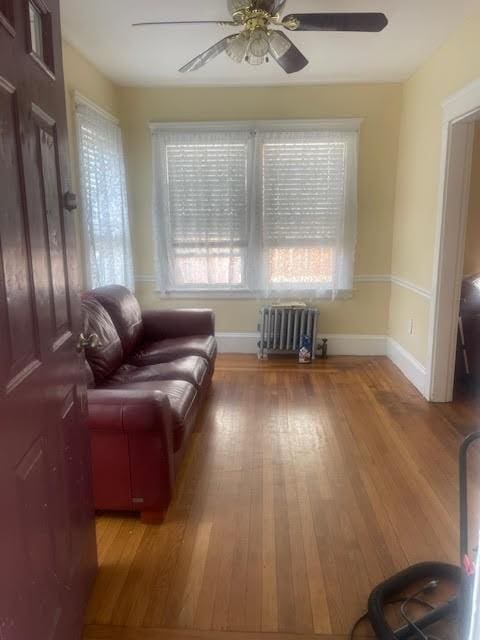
(338,344)
(341,344)
(237,342)
(408,365)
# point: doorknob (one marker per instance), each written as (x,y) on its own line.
(70,201)
(91,341)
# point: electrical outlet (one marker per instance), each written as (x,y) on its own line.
(411,327)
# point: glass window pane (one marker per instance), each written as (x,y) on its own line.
(36,30)
(301,265)
(209,267)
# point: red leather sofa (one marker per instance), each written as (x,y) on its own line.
(148,377)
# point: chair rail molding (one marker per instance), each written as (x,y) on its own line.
(411,286)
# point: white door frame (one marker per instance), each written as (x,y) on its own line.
(460,111)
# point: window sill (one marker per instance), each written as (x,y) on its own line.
(209,294)
(229,294)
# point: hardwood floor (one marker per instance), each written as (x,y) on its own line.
(304,487)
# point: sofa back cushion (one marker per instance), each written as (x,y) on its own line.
(107,356)
(125,312)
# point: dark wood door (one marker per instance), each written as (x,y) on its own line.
(47,543)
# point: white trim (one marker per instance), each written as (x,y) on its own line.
(360,278)
(406,284)
(237,342)
(344,124)
(373,278)
(81,99)
(411,368)
(355,345)
(462,104)
(231,293)
(459,112)
(338,344)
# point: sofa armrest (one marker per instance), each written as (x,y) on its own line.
(132,450)
(177,323)
(129,411)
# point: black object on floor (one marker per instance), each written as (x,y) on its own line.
(432,573)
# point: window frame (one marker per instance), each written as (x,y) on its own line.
(46,61)
(79,102)
(252,126)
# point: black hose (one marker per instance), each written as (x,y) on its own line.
(383,593)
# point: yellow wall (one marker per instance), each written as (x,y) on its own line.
(453,66)
(398,176)
(379,105)
(82,76)
(471,262)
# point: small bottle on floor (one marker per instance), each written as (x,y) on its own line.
(305,353)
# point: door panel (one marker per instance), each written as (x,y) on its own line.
(48,185)
(20,353)
(7,16)
(47,541)
(38,537)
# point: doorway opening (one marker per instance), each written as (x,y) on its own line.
(467,361)
(461,119)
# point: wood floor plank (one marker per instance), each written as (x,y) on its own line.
(122,633)
(269,549)
(116,558)
(302,488)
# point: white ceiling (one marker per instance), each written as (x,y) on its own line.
(151,56)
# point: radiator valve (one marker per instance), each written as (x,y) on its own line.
(324,349)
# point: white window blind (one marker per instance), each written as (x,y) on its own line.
(202,206)
(106,230)
(266,210)
(307,200)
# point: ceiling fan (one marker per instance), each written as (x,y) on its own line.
(257,41)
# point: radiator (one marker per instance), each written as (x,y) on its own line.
(281,329)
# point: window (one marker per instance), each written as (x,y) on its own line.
(41,38)
(104,198)
(204,203)
(305,181)
(36,30)
(266,211)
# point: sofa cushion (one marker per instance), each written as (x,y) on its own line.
(107,356)
(125,312)
(172,348)
(193,369)
(182,396)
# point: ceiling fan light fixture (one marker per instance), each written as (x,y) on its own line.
(259,44)
(237,47)
(254,60)
(278,44)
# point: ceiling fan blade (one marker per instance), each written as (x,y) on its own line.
(288,56)
(272,6)
(220,22)
(206,56)
(368,22)
(278,5)
(237,5)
